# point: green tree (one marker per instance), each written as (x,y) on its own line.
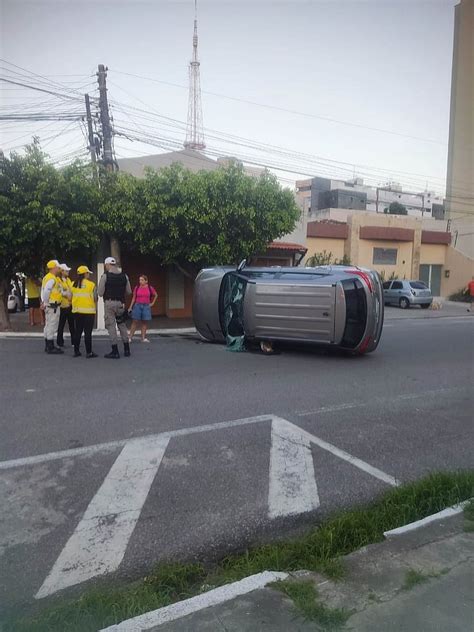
(396,208)
(44,213)
(206,218)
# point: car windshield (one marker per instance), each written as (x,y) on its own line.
(418,285)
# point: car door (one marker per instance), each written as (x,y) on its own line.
(396,292)
(386,291)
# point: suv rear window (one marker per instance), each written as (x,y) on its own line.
(418,285)
(356,313)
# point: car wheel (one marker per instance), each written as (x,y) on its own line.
(404,303)
(426,306)
(266,347)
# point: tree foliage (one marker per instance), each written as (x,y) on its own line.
(44,213)
(396,208)
(206,218)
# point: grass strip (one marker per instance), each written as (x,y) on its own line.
(317,550)
(305,599)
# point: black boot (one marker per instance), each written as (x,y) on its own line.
(91,354)
(126,349)
(114,354)
(52,350)
(77,353)
(45,345)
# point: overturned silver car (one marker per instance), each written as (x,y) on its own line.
(341,306)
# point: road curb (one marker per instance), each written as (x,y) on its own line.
(199,602)
(412,526)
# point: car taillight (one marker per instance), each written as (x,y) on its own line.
(364,276)
(365,344)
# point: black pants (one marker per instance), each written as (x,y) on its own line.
(65,314)
(84,323)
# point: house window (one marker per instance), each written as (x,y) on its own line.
(385,256)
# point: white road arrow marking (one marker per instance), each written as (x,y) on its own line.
(292,487)
(100,540)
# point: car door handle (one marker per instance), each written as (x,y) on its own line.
(325,313)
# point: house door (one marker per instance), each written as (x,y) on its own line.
(431,275)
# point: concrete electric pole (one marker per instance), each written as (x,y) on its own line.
(107,151)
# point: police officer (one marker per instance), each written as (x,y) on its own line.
(51,297)
(114,286)
(65,313)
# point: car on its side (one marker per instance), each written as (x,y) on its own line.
(405,294)
(341,306)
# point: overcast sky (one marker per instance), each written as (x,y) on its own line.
(376,64)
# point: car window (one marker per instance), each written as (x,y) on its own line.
(397,285)
(386,285)
(418,285)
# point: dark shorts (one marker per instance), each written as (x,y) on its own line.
(141,311)
(33,303)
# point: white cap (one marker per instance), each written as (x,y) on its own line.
(110,261)
(65,267)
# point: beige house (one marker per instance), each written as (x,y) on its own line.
(396,246)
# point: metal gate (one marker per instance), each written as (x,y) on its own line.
(431,275)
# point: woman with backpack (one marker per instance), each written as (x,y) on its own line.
(143,298)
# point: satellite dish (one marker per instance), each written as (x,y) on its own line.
(242,265)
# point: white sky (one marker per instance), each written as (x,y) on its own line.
(375,64)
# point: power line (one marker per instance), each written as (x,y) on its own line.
(290,111)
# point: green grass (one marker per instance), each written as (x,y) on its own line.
(414,577)
(320,549)
(469,517)
(305,599)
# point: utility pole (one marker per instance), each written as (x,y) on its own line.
(107,151)
(90,134)
(377,201)
(108,156)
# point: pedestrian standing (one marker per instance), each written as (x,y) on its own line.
(33,289)
(84,300)
(51,297)
(143,298)
(471,293)
(65,314)
(114,286)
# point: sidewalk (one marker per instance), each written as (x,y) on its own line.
(422,581)
(447,309)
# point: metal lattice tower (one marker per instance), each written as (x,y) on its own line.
(194,131)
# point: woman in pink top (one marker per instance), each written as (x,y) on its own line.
(143,298)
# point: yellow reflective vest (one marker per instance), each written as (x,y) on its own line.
(56,295)
(83,298)
(66,284)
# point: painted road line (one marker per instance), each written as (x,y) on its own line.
(119,443)
(379,400)
(194,604)
(292,488)
(441,515)
(345,456)
(99,542)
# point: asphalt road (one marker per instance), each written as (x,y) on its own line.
(91,514)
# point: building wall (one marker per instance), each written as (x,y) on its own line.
(461,271)
(321,244)
(403,267)
(460,177)
(433,253)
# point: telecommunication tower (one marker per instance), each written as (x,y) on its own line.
(194,130)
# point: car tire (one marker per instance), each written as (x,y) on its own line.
(425,306)
(404,303)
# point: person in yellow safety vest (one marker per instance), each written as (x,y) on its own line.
(66,309)
(84,307)
(33,290)
(51,297)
